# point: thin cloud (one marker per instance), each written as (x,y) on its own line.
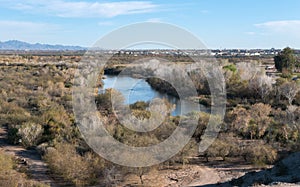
(105,23)
(155,20)
(284,27)
(272,24)
(84,9)
(250,33)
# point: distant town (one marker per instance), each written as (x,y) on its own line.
(19,47)
(206,52)
(190,52)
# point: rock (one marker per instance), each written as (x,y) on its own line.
(42,148)
(286,171)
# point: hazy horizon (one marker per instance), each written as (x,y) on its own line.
(146,47)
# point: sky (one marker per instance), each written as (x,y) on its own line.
(219,24)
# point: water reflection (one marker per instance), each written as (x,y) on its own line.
(134,89)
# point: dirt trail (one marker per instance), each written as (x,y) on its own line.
(189,175)
(32,159)
(206,176)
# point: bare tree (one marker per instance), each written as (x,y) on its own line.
(289,90)
(253,122)
(292,116)
(241,118)
(260,114)
(262,85)
(258,81)
(249,71)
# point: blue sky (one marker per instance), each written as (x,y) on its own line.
(218,23)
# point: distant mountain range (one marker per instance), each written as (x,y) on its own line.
(19,45)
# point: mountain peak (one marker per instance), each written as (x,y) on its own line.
(20,45)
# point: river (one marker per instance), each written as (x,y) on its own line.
(135,89)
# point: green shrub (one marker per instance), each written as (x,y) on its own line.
(141,114)
(219,148)
(30,134)
(10,177)
(68,84)
(57,123)
(140,105)
(260,154)
(6,163)
(230,67)
(111,97)
(13,136)
(66,162)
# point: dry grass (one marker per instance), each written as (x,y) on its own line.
(12,178)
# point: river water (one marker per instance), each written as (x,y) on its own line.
(135,89)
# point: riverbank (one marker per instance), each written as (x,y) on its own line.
(138,89)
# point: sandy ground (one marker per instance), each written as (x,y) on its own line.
(32,160)
(189,175)
(195,174)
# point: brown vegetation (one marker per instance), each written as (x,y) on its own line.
(262,119)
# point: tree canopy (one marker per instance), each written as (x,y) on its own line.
(285,61)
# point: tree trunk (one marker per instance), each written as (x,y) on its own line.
(141,178)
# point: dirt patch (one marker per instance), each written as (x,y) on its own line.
(189,175)
(30,159)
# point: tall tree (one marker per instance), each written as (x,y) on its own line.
(285,60)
